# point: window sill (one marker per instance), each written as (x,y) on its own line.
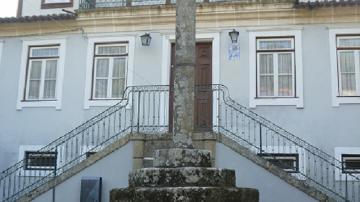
(276,101)
(102,103)
(56,5)
(39,104)
(345,100)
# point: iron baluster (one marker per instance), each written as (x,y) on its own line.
(260,138)
(138,114)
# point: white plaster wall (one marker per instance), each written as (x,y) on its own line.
(248,174)
(114,170)
(33,7)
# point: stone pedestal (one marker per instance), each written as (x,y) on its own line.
(183,175)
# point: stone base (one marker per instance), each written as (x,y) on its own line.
(183,175)
(185,194)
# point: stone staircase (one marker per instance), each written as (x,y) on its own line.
(183,175)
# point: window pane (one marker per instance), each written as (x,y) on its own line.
(111,50)
(285,63)
(119,68)
(50,72)
(49,89)
(101,88)
(35,70)
(349,42)
(266,86)
(347,62)
(45,52)
(117,88)
(266,64)
(102,68)
(348,84)
(34,89)
(275,44)
(285,85)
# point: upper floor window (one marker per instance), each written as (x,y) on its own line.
(42,67)
(348,59)
(56,3)
(41,73)
(275,67)
(110,66)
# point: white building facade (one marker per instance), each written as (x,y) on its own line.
(295,63)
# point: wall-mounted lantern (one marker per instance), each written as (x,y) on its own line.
(145,39)
(234,35)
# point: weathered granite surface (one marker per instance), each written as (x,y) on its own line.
(176,183)
(182,177)
(185,194)
(184,73)
(171,158)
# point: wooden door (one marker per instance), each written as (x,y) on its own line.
(203,94)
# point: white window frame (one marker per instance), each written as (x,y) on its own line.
(339,151)
(57,1)
(333,40)
(297,101)
(275,54)
(42,79)
(57,102)
(92,40)
(111,65)
(290,150)
(1,48)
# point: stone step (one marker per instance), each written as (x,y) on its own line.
(185,194)
(182,177)
(171,158)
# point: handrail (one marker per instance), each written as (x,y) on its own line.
(144,109)
(91,136)
(320,168)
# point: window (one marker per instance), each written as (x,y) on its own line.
(275,67)
(348,52)
(276,75)
(350,163)
(42,73)
(109,69)
(46,4)
(288,162)
(40,160)
(110,62)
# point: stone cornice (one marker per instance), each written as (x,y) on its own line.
(209,16)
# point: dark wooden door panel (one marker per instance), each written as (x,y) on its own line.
(203,93)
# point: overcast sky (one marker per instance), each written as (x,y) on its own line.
(8,8)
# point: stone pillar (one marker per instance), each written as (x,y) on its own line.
(184,74)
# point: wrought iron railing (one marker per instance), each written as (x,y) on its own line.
(91,4)
(315,167)
(145,109)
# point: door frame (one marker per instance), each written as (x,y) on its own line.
(201,37)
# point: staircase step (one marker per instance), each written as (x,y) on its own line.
(171,158)
(181,177)
(182,194)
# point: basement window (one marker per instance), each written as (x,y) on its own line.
(350,163)
(35,160)
(49,4)
(287,162)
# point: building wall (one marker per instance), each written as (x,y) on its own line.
(318,122)
(33,7)
(248,174)
(114,176)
